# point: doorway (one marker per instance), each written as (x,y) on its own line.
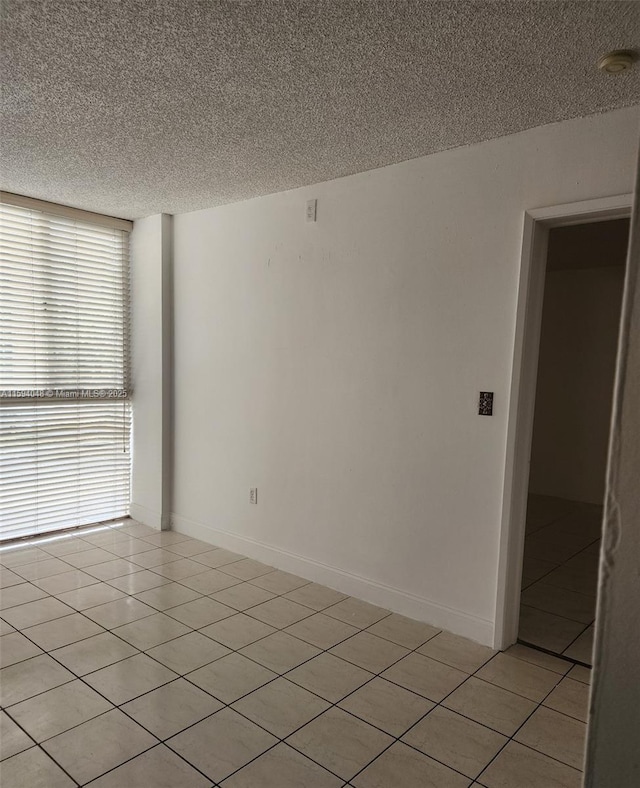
(538,224)
(584,281)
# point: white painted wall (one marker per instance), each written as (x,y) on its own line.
(336,365)
(150,378)
(576,368)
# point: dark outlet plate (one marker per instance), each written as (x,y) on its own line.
(485,403)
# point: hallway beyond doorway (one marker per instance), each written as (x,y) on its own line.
(560,575)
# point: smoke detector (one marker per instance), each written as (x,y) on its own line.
(618,61)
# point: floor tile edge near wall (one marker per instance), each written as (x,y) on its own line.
(394,599)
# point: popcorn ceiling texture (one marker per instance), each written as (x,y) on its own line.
(135,107)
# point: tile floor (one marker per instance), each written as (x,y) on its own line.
(137,659)
(560,576)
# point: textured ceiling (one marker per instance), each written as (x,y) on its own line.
(132,107)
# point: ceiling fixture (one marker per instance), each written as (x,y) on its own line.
(618,61)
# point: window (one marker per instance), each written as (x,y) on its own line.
(65,418)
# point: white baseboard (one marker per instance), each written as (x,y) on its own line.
(145,516)
(403,602)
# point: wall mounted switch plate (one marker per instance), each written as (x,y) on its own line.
(485,403)
(253,495)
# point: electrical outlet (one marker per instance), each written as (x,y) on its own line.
(253,495)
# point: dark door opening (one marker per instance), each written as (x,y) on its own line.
(580,320)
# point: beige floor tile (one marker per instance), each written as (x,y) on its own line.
(22,555)
(32,613)
(547,630)
(237,631)
(560,601)
(535,569)
(280,582)
(281,707)
(330,677)
(242,596)
(66,546)
(156,768)
(34,769)
(188,652)
(90,596)
(59,709)
(20,594)
(210,581)
(12,738)
(151,631)
(200,612)
(356,612)
(423,675)
(180,569)
(150,559)
(218,557)
(539,658)
(62,631)
(137,530)
(580,673)
(221,744)
(129,678)
(140,581)
(163,538)
(387,706)
(321,631)
(457,651)
(403,766)
(404,631)
(171,708)
(87,558)
(582,648)
(41,569)
(15,647)
(231,677)
(189,548)
(5,629)
(247,569)
(456,741)
(66,581)
(315,596)
(30,677)
(9,578)
(166,596)
(94,747)
(125,549)
(574,577)
(280,652)
(94,653)
(283,767)
(110,569)
(489,705)
(340,742)
(518,676)
(369,652)
(121,611)
(555,735)
(279,612)
(570,697)
(521,766)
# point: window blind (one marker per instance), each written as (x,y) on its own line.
(65,420)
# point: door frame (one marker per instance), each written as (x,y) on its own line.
(537,224)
